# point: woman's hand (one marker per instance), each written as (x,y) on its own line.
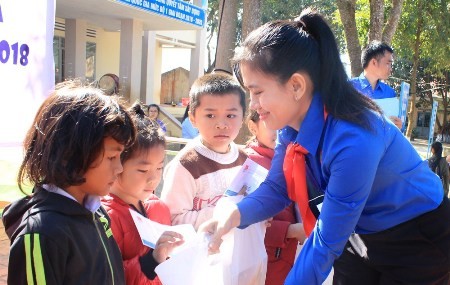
(220,225)
(165,244)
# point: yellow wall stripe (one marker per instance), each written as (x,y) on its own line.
(28,258)
(38,262)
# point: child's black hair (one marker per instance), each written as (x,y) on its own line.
(215,84)
(254,117)
(148,133)
(67,135)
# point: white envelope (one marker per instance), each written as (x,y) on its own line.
(250,175)
(150,231)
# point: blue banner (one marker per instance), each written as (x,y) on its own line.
(174,9)
(432,121)
(403,106)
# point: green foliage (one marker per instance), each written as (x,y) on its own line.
(435,35)
(362,17)
(270,10)
(434,50)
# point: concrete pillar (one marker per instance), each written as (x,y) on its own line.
(130,59)
(75,49)
(198,54)
(151,71)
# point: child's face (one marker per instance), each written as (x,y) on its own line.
(141,175)
(265,136)
(218,120)
(102,172)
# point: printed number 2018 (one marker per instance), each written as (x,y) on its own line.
(5,52)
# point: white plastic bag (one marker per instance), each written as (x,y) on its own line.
(242,259)
(243,252)
(192,266)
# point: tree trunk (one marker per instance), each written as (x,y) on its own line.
(376,20)
(251,17)
(347,12)
(392,23)
(226,39)
(412,113)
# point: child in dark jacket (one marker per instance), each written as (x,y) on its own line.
(284,233)
(439,165)
(143,164)
(61,234)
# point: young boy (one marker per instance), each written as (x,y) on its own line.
(199,175)
(61,234)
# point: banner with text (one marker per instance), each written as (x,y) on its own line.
(174,9)
(432,122)
(26,64)
(404,97)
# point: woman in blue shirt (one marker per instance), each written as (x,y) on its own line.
(381,216)
(153,111)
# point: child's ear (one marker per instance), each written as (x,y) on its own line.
(191,117)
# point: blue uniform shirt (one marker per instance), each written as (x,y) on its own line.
(372,180)
(187,129)
(382,90)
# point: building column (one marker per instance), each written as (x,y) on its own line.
(198,56)
(75,49)
(130,59)
(151,69)
(198,53)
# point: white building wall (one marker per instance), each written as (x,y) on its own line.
(108,53)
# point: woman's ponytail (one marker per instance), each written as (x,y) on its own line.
(338,95)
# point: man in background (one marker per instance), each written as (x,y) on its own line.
(377,59)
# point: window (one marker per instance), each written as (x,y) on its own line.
(58,55)
(91,49)
(423,119)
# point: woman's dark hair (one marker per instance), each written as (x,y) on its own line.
(437,155)
(67,135)
(437,147)
(154,105)
(149,133)
(282,48)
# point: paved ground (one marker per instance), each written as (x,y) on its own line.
(420,145)
(4,254)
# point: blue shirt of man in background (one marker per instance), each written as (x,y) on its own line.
(381,90)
